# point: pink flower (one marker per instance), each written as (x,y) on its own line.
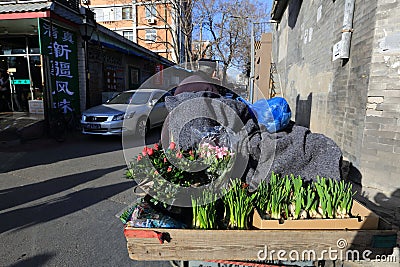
(221,152)
(139,157)
(156,147)
(150,151)
(172,146)
(169,169)
(191,153)
(165,160)
(156,172)
(179,155)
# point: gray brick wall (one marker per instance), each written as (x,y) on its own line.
(356,103)
(382,131)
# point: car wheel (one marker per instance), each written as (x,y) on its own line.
(142,127)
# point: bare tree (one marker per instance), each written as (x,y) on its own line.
(228,25)
(176,16)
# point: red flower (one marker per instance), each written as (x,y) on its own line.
(169,169)
(139,157)
(144,151)
(156,147)
(165,160)
(191,153)
(179,155)
(150,151)
(172,146)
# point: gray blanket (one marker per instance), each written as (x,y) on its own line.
(296,151)
(293,151)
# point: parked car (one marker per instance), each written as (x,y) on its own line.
(127,111)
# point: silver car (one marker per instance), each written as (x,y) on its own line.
(135,111)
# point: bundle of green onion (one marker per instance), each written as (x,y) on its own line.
(204,211)
(335,198)
(292,198)
(238,205)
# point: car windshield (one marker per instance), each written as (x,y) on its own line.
(135,98)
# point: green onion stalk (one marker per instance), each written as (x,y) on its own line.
(335,198)
(238,205)
(204,216)
(310,201)
(279,196)
(297,197)
(262,197)
(346,200)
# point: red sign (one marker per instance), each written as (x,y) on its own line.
(158,77)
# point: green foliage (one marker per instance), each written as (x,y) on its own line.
(163,171)
(204,211)
(238,205)
(292,198)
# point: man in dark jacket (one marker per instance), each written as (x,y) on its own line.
(201,80)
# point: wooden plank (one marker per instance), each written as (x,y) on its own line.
(245,245)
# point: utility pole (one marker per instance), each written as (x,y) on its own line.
(252,50)
(201,39)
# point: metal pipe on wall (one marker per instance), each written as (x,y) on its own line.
(252,43)
(347,29)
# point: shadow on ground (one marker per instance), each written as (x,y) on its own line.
(15,196)
(19,156)
(38,260)
(57,207)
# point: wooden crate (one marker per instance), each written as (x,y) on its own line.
(245,245)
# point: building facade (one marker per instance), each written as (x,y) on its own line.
(262,67)
(349,93)
(55,56)
(159,26)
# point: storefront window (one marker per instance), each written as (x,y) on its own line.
(33,44)
(26,78)
(13,45)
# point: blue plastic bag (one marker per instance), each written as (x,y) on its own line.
(273,113)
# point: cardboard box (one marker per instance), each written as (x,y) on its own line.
(366,220)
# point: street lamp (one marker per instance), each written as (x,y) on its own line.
(86,30)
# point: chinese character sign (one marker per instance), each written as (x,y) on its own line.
(59,46)
(158,77)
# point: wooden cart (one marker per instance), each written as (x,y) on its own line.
(293,240)
(255,245)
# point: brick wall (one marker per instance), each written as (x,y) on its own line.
(353,102)
(381,142)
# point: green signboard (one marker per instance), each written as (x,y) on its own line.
(59,47)
(20,82)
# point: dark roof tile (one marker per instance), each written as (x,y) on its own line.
(24,7)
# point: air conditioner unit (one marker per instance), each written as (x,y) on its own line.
(151,20)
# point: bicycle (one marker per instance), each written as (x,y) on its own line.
(57,125)
(60,124)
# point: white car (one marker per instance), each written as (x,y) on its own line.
(135,111)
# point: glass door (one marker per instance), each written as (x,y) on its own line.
(19,56)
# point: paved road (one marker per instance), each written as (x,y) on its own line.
(58,203)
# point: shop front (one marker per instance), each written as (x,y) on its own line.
(21,66)
(39,56)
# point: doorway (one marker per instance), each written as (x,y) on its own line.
(20,57)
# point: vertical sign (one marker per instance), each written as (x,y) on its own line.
(337,48)
(59,45)
(158,78)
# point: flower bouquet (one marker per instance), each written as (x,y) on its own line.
(163,172)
